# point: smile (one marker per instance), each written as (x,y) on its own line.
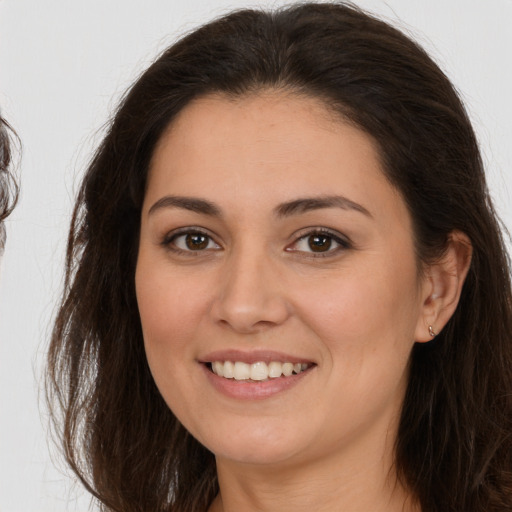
(258,371)
(254,375)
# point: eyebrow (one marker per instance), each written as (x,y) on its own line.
(187,203)
(307,204)
(295,207)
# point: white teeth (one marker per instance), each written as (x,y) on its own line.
(229,370)
(242,371)
(257,371)
(275,369)
(218,368)
(287,369)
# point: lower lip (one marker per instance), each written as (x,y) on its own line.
(253,390)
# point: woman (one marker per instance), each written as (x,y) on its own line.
(8,187)
(287,287)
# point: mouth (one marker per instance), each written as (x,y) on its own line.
(254,375)
(259,371)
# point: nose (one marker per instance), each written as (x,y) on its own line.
(251,296)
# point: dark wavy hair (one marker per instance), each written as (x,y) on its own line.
(8,184)
(454,445)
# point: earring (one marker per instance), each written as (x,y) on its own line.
(431,331)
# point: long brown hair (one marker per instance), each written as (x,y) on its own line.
(8,184)
(454,446)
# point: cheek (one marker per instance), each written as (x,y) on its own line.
(364,313)
(365,322)
(170,309)
(167,304)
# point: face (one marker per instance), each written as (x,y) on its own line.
(277,282)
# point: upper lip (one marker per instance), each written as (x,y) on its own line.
(253,356)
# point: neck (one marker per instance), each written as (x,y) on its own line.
(353,482)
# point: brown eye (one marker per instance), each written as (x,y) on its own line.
(191,241)
(196,241)
(319,242)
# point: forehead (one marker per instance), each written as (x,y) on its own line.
(277,117)
(267,146)
(277,120)
(280,126)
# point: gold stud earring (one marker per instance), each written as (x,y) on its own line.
(431,331)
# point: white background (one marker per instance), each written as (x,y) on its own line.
(63,64)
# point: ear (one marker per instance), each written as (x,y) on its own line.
(442,286)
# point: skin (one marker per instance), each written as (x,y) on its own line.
(354,310)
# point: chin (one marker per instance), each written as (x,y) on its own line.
(262,454)
(255,445)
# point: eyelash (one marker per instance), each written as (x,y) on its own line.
(343,243)
(169,242)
